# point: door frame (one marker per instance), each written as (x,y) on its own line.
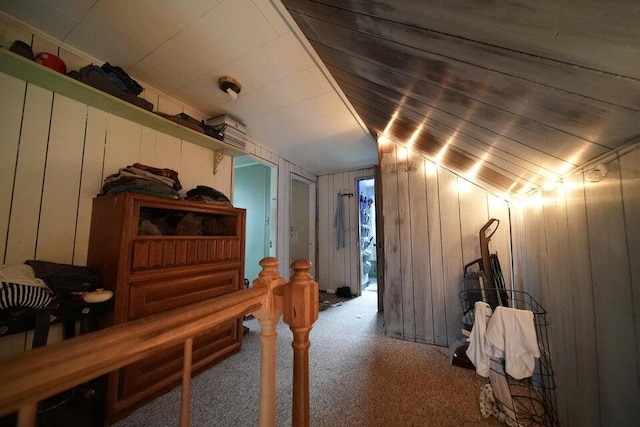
(381,265)
(271,209)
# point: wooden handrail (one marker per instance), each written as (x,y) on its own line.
(34,375)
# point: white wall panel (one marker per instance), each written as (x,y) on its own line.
(190,164)
(577,248)
(123,144)
(420,259)
(61,186)
(629,165)
(585,408)
(323,268)
(406,237)
(445,291)
(91,179)
(392,294)
(431,229)
(619,388)
(434,247)
(148,146)
(558,272)
(10,124)
(168,152)
(27,195)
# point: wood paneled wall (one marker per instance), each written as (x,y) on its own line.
(55,153)
(431,224)
(339,267)
(576,250)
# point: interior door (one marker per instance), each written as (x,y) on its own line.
(302,220)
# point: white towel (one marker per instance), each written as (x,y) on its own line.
(511,334)
(476,350)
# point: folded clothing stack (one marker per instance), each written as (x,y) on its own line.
(202,193)
(139,178)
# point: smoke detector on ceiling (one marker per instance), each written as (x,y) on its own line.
(597,173)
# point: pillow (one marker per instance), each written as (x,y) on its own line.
(15,295)
(22,274)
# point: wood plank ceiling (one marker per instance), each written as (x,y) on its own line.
(511,94)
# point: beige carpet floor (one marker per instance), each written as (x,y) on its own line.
(359,377)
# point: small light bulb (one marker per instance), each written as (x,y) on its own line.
(232,94)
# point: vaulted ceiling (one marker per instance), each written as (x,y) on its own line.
(509,93)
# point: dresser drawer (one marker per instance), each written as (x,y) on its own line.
(159,253)
(158,295)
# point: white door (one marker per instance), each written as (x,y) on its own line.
(302,220)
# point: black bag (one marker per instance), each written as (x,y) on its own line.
(98,78)
(64,278)
(118,75)
(344,292)
(208,193)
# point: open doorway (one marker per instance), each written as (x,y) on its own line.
(367,235)
(253,190)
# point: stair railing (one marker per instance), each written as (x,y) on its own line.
(32,376)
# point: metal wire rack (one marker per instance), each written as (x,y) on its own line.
(530,401)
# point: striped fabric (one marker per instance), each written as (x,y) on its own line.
(14,295)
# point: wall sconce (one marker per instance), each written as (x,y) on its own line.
(230,85)
(596,174)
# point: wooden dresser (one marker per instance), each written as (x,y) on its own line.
(153,273)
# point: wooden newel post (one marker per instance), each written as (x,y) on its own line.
(300,311)
(268,316)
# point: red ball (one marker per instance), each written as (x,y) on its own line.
(51,61)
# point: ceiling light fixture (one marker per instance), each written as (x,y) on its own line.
(230,85)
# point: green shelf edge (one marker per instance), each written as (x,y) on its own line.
(32,72)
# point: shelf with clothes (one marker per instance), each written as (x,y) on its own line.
(32,72)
